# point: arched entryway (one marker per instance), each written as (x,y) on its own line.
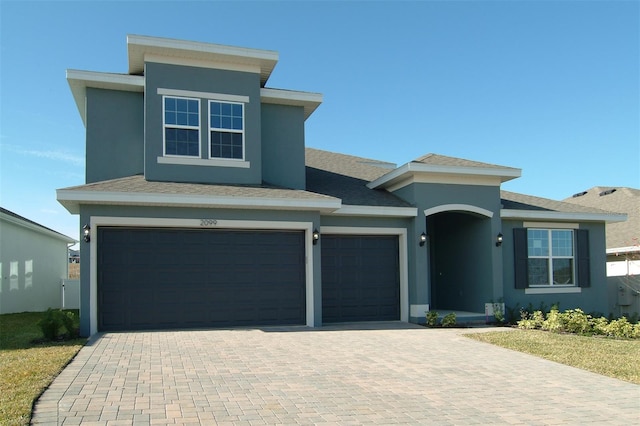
(460,257)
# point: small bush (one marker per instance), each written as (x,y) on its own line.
(599,325)
(449,320)
(531,322)
(576,321)
(50,324)
(620,328)
(554,322)
(432,318)
(56,319)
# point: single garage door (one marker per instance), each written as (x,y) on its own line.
(158,278)
(360,278)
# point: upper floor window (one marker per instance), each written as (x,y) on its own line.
(181,126)
(550,257)
(226,130)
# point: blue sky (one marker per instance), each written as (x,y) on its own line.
(551,87)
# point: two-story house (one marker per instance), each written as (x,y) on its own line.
(202,207)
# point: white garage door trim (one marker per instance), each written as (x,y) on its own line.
(97,221)
(403,259)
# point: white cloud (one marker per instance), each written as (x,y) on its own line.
(48,154)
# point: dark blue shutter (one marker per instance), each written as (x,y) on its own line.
(520,257)
(582,258)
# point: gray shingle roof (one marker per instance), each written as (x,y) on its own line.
(138,184)
(513,200)
(443,160)
(346,177)
(622,200)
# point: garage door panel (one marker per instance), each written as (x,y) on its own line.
(185,278)
(360,278)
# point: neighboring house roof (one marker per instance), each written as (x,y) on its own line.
(23,221)
(623,236)
(136,190)
(520,206)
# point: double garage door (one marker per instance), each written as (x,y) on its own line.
(160,278)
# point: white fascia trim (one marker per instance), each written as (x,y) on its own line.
(97,221)
(552,290)
(459,207)
(79,81)
(402,256)
(211,162)
(503,174)
(308,100)
(204,95)
(36,228)
(561,216)
(72,200)
(195,46)
(628,249)
(350,210)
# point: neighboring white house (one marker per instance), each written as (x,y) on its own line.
(623,242)
(33,262)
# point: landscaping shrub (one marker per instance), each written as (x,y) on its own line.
(575,321)
(449,320)
(432,318)
(55,319)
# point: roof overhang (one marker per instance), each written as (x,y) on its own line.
(79,81)
(431,173)
(562,216)
(623,250)
(72,199)
(309,101)
(156,49)
(36,228)
(377,211)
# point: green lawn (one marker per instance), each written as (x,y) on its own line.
(619,359)
(27,368)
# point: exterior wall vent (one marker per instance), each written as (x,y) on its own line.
(607,192)
(579,194)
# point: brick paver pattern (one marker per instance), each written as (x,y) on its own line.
(389,373)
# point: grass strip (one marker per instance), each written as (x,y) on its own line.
(27,367)
(609,357)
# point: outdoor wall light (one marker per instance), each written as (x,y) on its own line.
(86,231)
(423,239)
(316,236)
(499,239)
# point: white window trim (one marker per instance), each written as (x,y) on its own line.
(551,257)
(211,129)
(402,256)
(557,289)
(204,95)
(179,126)
(97,221)
(212,162)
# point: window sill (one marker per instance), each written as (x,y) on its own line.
(211,162)
(552,290)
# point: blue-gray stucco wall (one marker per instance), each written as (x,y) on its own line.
(590,299)
(165,76)
(88,211)
(460,244)
(283,161)
(114,134)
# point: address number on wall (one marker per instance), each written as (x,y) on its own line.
(208,222)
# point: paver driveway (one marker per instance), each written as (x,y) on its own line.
(393,374)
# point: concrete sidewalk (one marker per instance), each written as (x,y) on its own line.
(389,373)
